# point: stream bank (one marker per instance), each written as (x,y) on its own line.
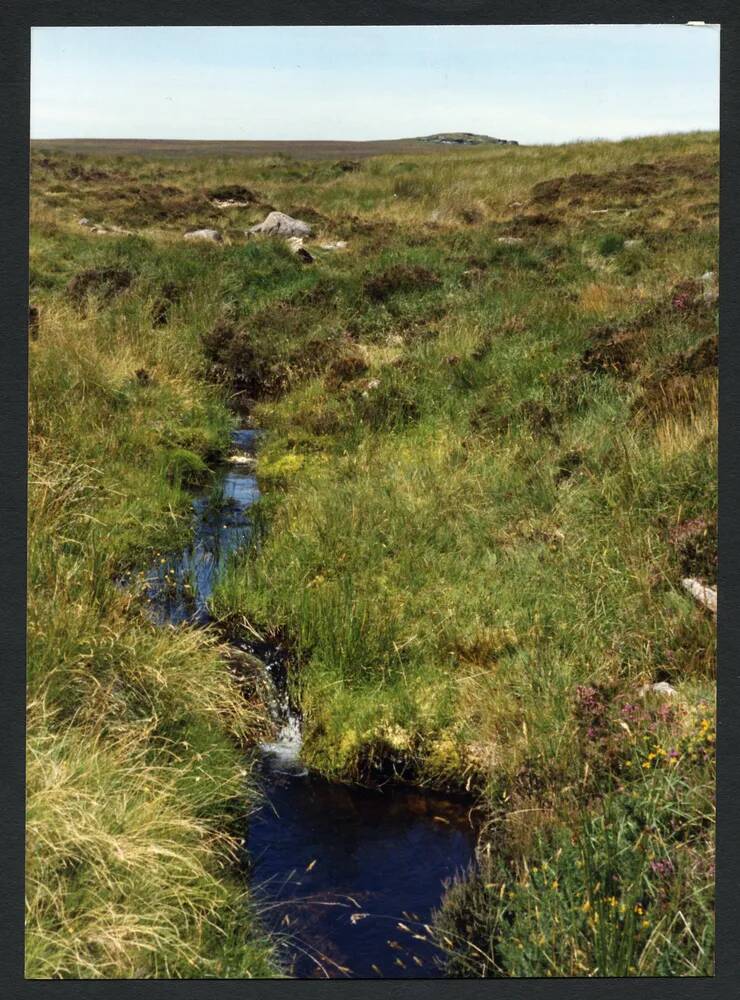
(346,877)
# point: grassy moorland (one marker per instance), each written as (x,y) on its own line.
(490,460)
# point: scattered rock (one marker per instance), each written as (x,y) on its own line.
(660,688)
(240,458)
(711,288)
(466,139)
(100,230)
(280,224)
(509,241)
(338,245)
(209,235)
(295,244)
(631,244)
(706,596)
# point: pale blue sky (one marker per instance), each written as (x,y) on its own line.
(534,84)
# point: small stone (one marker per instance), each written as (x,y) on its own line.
(229,203)
(339,245)
(211,235)
(295,244)
(700,592)
(280,224)
(711,288)
(510,241)
(630,244)
(660,688)
(84,222)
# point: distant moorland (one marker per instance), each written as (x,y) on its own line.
(308,149)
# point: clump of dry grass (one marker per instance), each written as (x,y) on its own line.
(125,878)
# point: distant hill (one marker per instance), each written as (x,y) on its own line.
(466,139)
(308,149)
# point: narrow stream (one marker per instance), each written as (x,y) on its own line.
(346,876)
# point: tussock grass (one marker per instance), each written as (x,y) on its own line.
(136,771)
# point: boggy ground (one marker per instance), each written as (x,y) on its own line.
(490,460)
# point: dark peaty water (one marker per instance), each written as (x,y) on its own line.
(350,874)
(336,868)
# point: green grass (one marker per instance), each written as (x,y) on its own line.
(490,459)
(136,759)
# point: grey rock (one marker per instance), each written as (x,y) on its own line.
(211,235)
(707,596)
(509,241)
(711,287)
(280,224)
(295,244)
(661,687)
(229,203)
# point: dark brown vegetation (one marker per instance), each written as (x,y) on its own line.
(399,278)
(638,180)
(103,282)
